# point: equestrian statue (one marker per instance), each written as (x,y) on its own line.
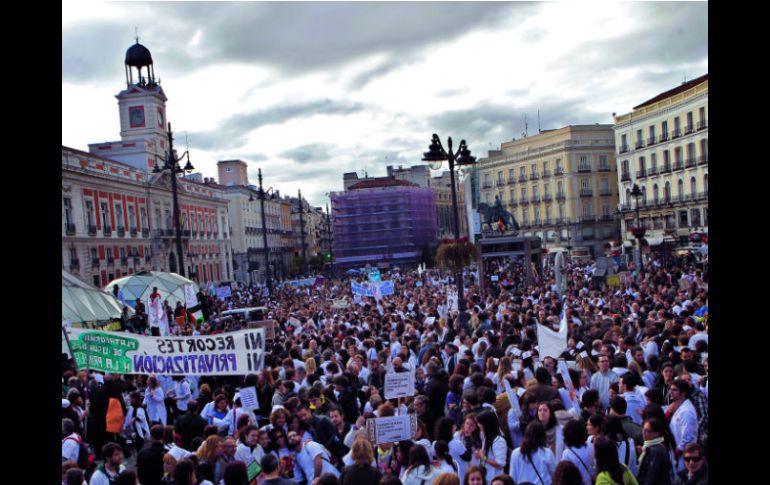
(497,215)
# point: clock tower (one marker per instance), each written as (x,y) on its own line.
(142,107)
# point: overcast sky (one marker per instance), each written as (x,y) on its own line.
(309,90)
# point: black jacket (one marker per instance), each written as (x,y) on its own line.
(357,474)
(322,430)
(436,390)
(149,464)
(655,469)
(189,426)
(349,405)
(700,478)
(101,401)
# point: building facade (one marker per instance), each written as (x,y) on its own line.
(662,146)
(383,222)
(117,215)
(117,220)
(559,184)
(442,186)
(245,211)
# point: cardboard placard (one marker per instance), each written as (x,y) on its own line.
(399,384)
(391,429)
(249,398)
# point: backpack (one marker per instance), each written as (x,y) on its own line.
(85,457)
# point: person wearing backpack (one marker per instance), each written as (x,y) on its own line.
(108,472)
(70,443)
(533,461)
(136,424)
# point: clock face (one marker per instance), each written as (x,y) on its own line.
(161,120)
(136,116)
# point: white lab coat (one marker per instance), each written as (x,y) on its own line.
(156,407)
(522,469)
(583,459)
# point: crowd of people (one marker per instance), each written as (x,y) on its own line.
(625,403)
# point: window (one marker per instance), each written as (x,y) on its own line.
(606,210)
(119,215)
(676,124)
(535,190)
(695,217)
(693,186)
(702,116)
(683,218)
(109,254)
(560,187)
(653,162)
(664,128)
(655,193)
(487,182)
(90,213)
(105,212)
(587,210)
(623,143)
(639,137)
(603,163)
(523,193)
(704,149)
(584,163)
(678,155)
(143,216)
(488,198)
(670,221)
(561,211)
(706,183)
(131,217)
(94,254)
(73,254)
(689,121)
(668,192)
(604,183)
(548,213)
(666,160)
(228,169)
(652,133)
(537,215)
(122,253)
(522,171)
(546,189)
(642,167)
(680,189)
(67,211)
(533,168)
(500,177)
(525,216)
(513,195)
(644,195)
(558,165)
(168,219)
(624,166)
(545,167)
(510,174)
(585,183)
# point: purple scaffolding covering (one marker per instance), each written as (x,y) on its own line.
(378,224)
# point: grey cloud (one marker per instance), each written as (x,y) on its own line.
(293,37)
(448,93)
(232,132)
(313,152)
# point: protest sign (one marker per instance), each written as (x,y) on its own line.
(494,277)
(233,353)
(343,303)
(563,370)
(613,280)
(190,298)
(391,428)
(399,384)
(249,398)
(224,292)
(384,288)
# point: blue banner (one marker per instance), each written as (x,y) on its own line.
(370,288)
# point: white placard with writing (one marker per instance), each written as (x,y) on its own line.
(399,384)
(249,398)
(562,366)
(515,408)
(391,429)
(190,298)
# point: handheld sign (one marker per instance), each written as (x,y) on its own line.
(391,428)
(249,398)
(562,366)
(516,364)
(399,384)
(190,298)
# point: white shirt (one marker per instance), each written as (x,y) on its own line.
(684,425)
(523,470)
(306,461)
(182,394)
(70,447)
(246,455)
(156,407)
(99,478)
(582,457)
(179,453)
(497,453)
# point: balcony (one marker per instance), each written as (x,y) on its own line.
(524,201)
(623,148)
(107,230)
(487,185)
(663,137)
(95,262)
(586,192)
(702,124)
(500,183)
(546,173)
(561,196)
(124,261)
(639,144)
(70,229)
(121,231)
(666,168)
(535,199)
(604,168)
(511,180)
(607,218)
(547,222)
(688,129)
(703,160)
(625,207)
(689,162)
(652,171)
(110,261)
(641,173)
(558,171)
(678,165)
(651,140)
(547,198)
(513,203)
(534,176)
(522,178)
(676,133)
(91,230)
(587,218)
(625,176)
(145,232)
(74,263)
(605,192)
(584,169)
(132,231)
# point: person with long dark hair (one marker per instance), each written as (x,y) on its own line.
(533,461)
(493,447)
(610,471)
(613,430)
(447,431)
(443,461)
(554,434)
(577,450)
(567,474)
(420,470)
(656,462)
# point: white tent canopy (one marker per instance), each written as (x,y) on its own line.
(81,302)
(140,285)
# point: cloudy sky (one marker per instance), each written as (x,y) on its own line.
(309,90)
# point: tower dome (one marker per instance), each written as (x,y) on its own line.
(138,57)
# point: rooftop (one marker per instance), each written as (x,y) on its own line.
(679,89)
(381,182)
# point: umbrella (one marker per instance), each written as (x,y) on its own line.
(81,302)
(138,286)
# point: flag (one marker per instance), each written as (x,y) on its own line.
(701,314)
(501,224)
(198,316)
(550,343)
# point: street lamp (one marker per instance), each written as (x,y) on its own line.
(302,230)
(435,157)
(171,163)
(262,195)
(639,230)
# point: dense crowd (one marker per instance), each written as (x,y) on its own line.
(628,404)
